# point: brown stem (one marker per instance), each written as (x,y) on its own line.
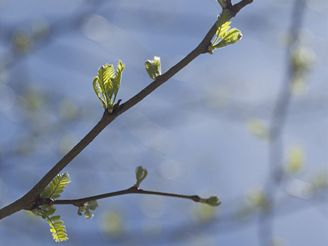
(238,6)
(132,190)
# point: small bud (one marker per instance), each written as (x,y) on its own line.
(87,208)
(141,174)
(212,201)
(153,67)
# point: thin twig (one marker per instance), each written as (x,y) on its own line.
(132,190)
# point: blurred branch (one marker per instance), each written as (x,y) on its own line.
(278,121)
(27,201)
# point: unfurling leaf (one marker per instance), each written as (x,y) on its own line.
(225,35)
(56,186)
(141,174)
(212,201)
(232,36)
(87,208)
(107,83)
(57,229)
(153,67)
(46,211)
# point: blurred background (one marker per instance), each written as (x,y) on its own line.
(247,123)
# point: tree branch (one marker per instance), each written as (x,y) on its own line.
(132,190)
(238,6)
(28,200)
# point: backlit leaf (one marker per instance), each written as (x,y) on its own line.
(107,83)
(56,186)
(153,67)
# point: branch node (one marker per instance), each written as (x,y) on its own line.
(234,9)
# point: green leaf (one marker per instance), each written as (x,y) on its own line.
(117,79)
(153,67)
(222,31)
(225,35)
(231,36)
(107,83)
(56,186)
(87,208)
(99,90)
(105,73)
(141,174)
(57,228)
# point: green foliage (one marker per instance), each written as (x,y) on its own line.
(56,186)
(141,174)
(57,228)
(107,83)
(225,35)
(153,67)
(51,192)
(87,208)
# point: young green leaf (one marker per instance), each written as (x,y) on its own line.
(56,186)
(57,228)
(231,36)
(107,83)
(117,79)
(141,174)
(225,35)
(153,67)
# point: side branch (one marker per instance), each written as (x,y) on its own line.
(132,190)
